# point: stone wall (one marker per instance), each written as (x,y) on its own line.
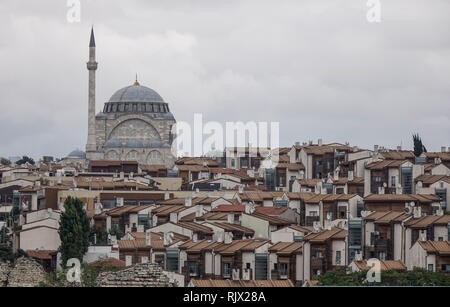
(141,275)
(5,268)
(25,273)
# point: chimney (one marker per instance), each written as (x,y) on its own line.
(417,212)
(228,238)
(380,190)
(297,143)
(166,195)
(375,148)
(241,189)
(188,201)
(122,175)
(443,149)
(399,148)
(148,238)
(319,142)
(199,211)
(350,176)
(302,175)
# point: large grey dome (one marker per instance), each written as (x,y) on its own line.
(136,93)
(77,154)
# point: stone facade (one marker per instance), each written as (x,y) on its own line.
(141,275)
(24,273)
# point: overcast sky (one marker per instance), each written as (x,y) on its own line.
(318,67)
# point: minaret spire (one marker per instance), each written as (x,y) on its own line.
(92,43)
(91,146)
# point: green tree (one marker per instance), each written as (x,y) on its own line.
(74,230)
(116,231)
(98,236)
(6,253)
(418,146)
(25,159)
(416,277)
(4,161)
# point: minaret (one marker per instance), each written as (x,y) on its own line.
(91,145)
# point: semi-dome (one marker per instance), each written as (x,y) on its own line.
(77,154)
(157,144)
(113,143)
(134,144)
(136,93)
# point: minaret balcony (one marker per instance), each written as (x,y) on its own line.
(92,65)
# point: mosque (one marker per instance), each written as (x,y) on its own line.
(134,125)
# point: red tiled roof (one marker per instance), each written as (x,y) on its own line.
(41,254)
(229,208)
(270,210)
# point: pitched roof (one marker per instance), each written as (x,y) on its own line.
(229,208)
(41,254)
(430,179)
(425,221)
(233,227)
(385,217)
(273,220)
(423,198)
(208,283)
(273,211)
(322,236)
(385,265)
(287,248)
(379,165)
(436,247)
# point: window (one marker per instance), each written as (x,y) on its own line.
(382,255)
(445,267)
(440,239)
(193,268)
(298,238)
(430,268)
(329,215)
(148,107)
(393,181)
(143,219)
(248,265)
(338,257)
(121,107)
(232,163)
(226,270)
(318,254)
(283,270)
(172,259)
(377,178)
(359,208)
(312,213)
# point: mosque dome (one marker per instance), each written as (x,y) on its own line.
(77,154)
(136,93)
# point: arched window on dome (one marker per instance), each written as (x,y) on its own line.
(114,108)
(134,107)
(147,107)
(155,157)
(121,107)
